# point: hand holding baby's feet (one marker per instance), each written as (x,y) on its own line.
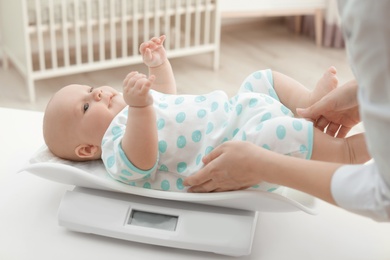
(153,52)
(136,88)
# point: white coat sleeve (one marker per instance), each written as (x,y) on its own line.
(361,189)
(365,189)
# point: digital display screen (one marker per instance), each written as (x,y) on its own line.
(152,220)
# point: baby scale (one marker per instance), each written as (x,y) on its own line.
(222,223)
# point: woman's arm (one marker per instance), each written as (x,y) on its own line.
(239,165)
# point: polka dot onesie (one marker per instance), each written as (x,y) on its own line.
(191,126)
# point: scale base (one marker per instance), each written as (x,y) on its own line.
(159,222)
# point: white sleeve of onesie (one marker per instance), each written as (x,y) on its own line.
(122,169)
(114,158)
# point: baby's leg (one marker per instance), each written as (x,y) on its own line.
(294,95)
(350,150)
(327,83)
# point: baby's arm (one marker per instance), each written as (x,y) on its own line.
(140,139)
(154,56)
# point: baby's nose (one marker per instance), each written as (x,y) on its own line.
(97,94)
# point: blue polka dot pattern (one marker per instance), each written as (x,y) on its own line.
(110,161)
(266,146)
(284,110)
(163,105)
(126,172)
(179,100)
(181,141)
(297,125)
(180,117)
(202,113)
(210,127)
(198,159)
(123,179)
(116,130)
(179,184)
(147,185)
(253,102)
(257,75)
(226,107)
(272,93)
(214,106)
(165,185)
(266,117)
(199,99)
(162,146)
(160,124)
(196,136)
(248,86)
(238,109)
(163,168)
(181,167)
(281,132)
(235,131)
(259,127)
(208,150)
(269,100)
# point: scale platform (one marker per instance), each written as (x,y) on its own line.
(168,223)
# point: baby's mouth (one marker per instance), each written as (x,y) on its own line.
(110,100)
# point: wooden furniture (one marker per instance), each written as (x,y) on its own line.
(297,8)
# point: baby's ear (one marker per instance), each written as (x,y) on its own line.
(86,151)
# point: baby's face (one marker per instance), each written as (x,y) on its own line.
(89,110)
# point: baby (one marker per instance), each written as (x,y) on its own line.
(151,137)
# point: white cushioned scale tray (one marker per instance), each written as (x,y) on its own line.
(92,174)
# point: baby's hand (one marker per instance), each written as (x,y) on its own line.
(136,88)
(153,52)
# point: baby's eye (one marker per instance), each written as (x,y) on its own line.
(85,108)
(90,90)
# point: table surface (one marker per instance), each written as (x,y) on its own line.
(29,228)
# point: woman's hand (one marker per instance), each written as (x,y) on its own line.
(337,112)
(233,165)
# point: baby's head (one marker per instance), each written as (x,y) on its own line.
(76,119)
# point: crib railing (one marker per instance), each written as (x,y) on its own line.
(62,37)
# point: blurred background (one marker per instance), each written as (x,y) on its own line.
(212,44)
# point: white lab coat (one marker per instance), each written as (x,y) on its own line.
(365,189)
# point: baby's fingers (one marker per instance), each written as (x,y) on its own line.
(158,40)
(134,82)
(148,84)
(128,76)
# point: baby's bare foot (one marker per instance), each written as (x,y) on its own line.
(327,83)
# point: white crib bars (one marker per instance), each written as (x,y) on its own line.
(51,38)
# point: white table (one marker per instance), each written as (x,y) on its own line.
(29,229)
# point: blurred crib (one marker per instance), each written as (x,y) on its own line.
(50,38)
